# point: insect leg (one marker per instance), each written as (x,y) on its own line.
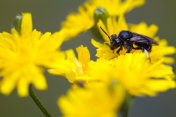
(119,49)
(144,51)
(139,48)
(129,50)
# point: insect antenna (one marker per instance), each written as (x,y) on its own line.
(105,32)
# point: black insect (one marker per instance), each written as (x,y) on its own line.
(127,39)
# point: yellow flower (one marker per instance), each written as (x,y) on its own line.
(114,27)
(95,100)
(80,70)
(72,68)
(140,77)
(84,19)
(78,22)
(136,74)
(117,7)
(23,56)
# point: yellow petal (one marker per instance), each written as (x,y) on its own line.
(143,29)
(128,5)
(83,56)
(22,87)
(26,24)
(103,50)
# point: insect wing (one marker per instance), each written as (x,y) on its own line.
(142,39)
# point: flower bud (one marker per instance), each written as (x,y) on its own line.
(17,22)
(101,14)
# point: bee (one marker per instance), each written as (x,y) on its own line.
(127,39)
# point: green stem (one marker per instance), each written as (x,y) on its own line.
(37,102)
(125,109)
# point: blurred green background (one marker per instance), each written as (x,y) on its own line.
(47,16)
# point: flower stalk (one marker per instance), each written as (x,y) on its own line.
(125,109)
(37,102)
